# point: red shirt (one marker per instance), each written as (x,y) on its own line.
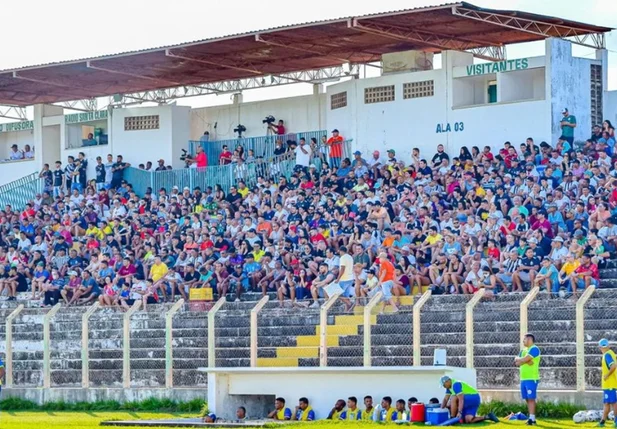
(494,253)
(593,268)
(202,160)
(280,130)
(336,146)
(225,157)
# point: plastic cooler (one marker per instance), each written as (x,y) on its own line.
(428,408)
(417,413)
(437,416)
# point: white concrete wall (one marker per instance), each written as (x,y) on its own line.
(404,124)
(181,134)
(10,171)
(230,388)
(148,145)
(610,106)
(306,113)
(569,86)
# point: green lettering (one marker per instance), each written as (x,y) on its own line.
(495,67)
(525,63)
(518,64)
(503,66)
(470,70)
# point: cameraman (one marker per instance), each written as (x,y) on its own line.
(278,129)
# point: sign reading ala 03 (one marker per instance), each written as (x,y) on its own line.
(447,128)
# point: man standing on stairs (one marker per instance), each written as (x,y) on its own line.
(528,361)
(609,380)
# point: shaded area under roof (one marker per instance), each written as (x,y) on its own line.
(363,39)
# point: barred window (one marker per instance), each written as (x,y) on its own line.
(379,94)
(596,94)
(137,123)
(338,100)
(425,88)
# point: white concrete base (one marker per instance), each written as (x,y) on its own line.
(256,388)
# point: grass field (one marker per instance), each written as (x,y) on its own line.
(89,420)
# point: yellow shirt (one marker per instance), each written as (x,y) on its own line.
(569,267)
(432,239)
(95,232)
(244,192)
(157,272)
(480,192)
(611,382)
(259,255)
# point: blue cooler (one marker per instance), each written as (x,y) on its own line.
(436,416)
(428,408)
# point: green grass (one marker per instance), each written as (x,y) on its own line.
(92,419)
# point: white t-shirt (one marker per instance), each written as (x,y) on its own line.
(347,262)
(303,159)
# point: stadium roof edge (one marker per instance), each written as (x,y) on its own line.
(285,49)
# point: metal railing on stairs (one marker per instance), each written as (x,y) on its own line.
(19,192)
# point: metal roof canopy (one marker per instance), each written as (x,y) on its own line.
(285,50)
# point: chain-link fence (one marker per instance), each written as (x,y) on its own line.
(28,348)
(190,348)
(233,335)
(552,320)
(147,348)
(391,333)
(65,348)
(599,316)
(442,327)
(496,340)
(288,336)
(105,348)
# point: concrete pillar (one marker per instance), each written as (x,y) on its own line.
(318,88)
(602,56)
(47,149)
(237,98)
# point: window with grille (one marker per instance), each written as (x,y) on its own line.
(596,94)
(425,88)
(379,94)
(338,100)
(139,123)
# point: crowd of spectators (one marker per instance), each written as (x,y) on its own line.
(504,219)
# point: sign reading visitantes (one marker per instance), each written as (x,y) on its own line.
(76,118)
(497,67)
(17,126)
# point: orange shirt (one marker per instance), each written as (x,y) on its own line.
(387,242)
(264,226)
(387,268)
(336,146)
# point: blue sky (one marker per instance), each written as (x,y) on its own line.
(41,31)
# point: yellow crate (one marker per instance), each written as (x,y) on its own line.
(203,294)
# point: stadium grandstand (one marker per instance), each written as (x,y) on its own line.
(427,214)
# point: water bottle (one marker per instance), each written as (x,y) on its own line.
(377,413)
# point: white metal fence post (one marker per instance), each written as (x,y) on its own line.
(126,344)
(469,330)
(254,333)
(85,347)
(169,359)
(417,340)
(580,338)
(8,360)
(212,332)
(367,327)
(46,345)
